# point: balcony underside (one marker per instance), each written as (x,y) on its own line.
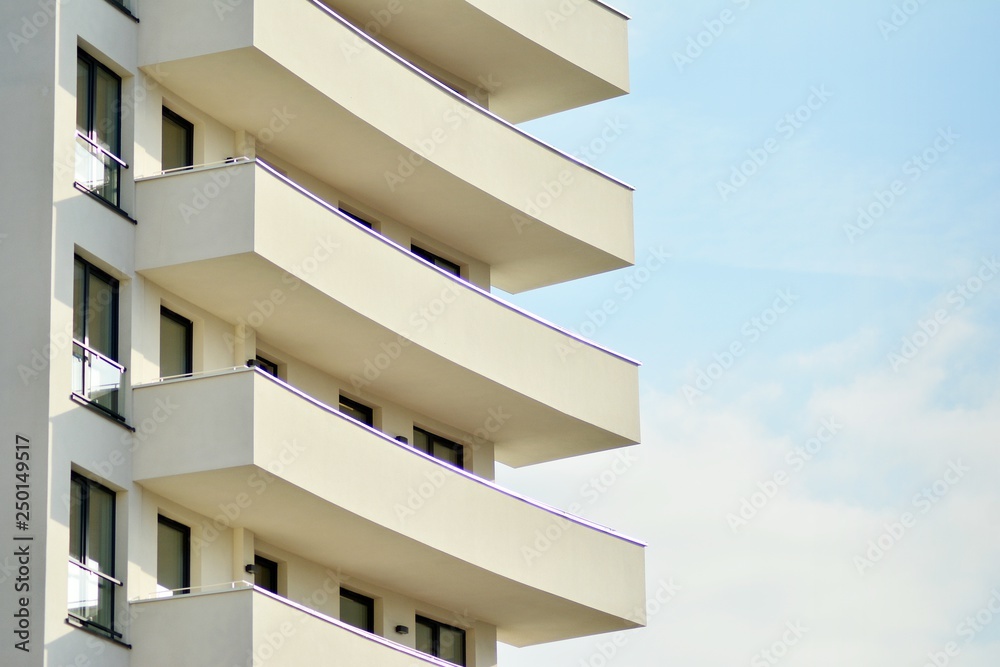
(309,477)
(537,57)
(321,97)
(360,308)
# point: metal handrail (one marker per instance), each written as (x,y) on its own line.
(462,98)
(84,566)
(201,167)
(612,9)
(410,450)
(244,586)
(104,358)
(102,149)
(450,276)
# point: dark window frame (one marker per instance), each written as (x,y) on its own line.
(436,627)
(357,406)
(93,65)
(437,260)
(188,338)
(270,565)
(186,532)
(82,548)
(364,600)
(358,219)
(188,127)
(91,269)
(434,438)
(124,8)
(265,364)
(115,285)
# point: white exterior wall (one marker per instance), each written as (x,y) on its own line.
(46,222)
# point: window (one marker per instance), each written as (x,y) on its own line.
(92,555)
(177,142)
(176,336)
(359,411)
(97,374)
(173,556)
(440,640)
(358,219)
(438,447)
(357,610)
(98,128)
(265,365)
(265,573)
(440,262)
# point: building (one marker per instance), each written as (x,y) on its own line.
(256,383)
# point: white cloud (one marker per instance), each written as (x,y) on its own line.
(795,560)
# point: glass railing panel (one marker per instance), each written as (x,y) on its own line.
(91,597)
(97,378)
(97,170)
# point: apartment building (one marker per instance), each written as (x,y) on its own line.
(255,380)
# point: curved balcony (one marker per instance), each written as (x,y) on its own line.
(534,57)
(309,475)
(250,246)
(323,95)
(243,625)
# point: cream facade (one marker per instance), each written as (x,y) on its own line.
(257,382)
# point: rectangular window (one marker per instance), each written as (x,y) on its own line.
(177,142)
(438,447)
(437,260)
(97,375)
(358,219)
(92,554)
(359,411)
(440,640)
(265,365)
(357,610)
(173,556)
(265,573)
(176,342)
(98,128)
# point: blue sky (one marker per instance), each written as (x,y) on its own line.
(887,332)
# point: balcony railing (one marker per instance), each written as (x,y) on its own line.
(161,619)
(97,379)
(91,597)
(98,170)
